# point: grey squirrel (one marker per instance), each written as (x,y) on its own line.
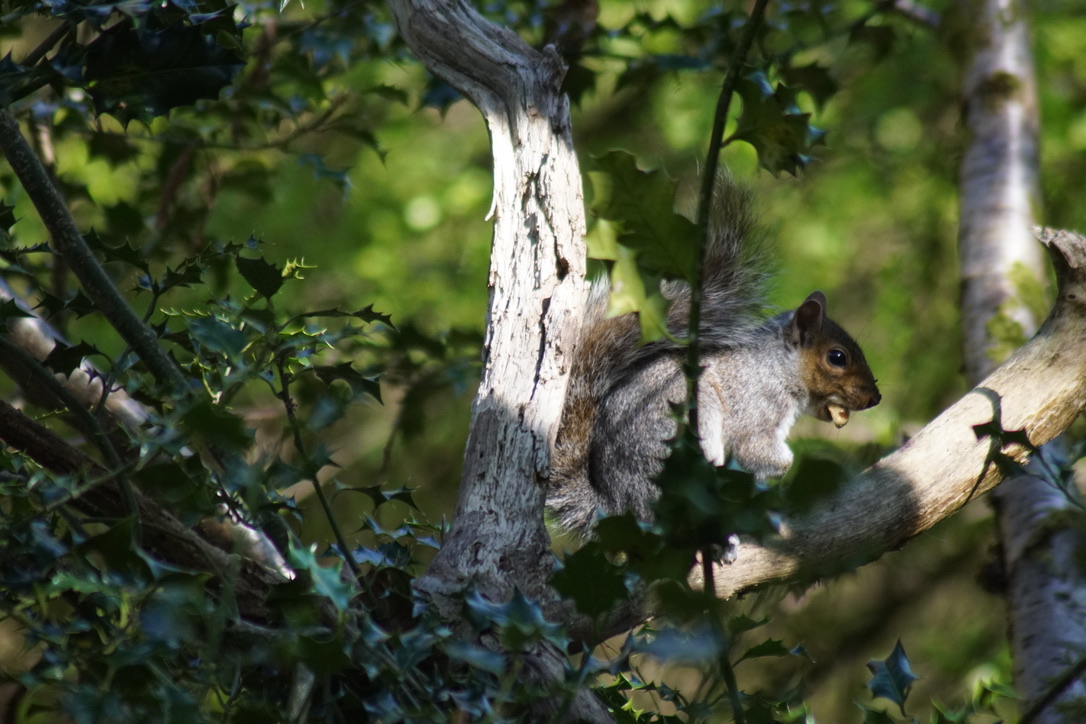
(760,374)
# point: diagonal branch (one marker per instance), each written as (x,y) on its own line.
(97,285)
(163,535)
(1041,389)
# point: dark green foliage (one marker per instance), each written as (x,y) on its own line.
(136,73)
(773,123)
(893,678)
(701,505)
(122,621)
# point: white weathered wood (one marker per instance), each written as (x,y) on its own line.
(537,291)
(498,542)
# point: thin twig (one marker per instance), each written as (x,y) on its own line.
(712,160)
(44,46)
(311,471)
(1058,687)
(96,284)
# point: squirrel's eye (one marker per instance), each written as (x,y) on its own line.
(837,357)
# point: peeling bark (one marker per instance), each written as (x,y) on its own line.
(537,290)
(498,543)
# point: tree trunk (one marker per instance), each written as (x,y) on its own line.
(999,190)
(498,543)
(537,291)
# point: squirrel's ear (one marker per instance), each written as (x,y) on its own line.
(807,319)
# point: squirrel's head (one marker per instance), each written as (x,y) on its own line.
(831,365)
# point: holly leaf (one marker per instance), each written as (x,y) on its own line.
(7,220)
(380,496)
(263,276)
(813,78)
(772,122)
(641,205)
(9,309)
(365,314)
(186,275)
(359,384)
(770,647)
(643,548)
(140,73)
(891,679)
(440,95)
(327,580)
(215,424)
(701,505)
(121,252)
(216,336)
(591,581)
(64,358)
(13,78)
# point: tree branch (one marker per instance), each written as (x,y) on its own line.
(162,534)
(498,541)
(97,285)
(1041,389)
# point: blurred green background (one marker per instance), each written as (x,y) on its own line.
(397,220)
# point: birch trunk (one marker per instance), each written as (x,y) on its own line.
(1046,587)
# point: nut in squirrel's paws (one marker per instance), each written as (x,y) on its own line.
(838,414)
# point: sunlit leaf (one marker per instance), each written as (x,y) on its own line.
(776,127)
(641,204)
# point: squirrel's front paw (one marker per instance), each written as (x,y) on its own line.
(767,466)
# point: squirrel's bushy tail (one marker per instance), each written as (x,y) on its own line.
(735,275)
(735,272)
